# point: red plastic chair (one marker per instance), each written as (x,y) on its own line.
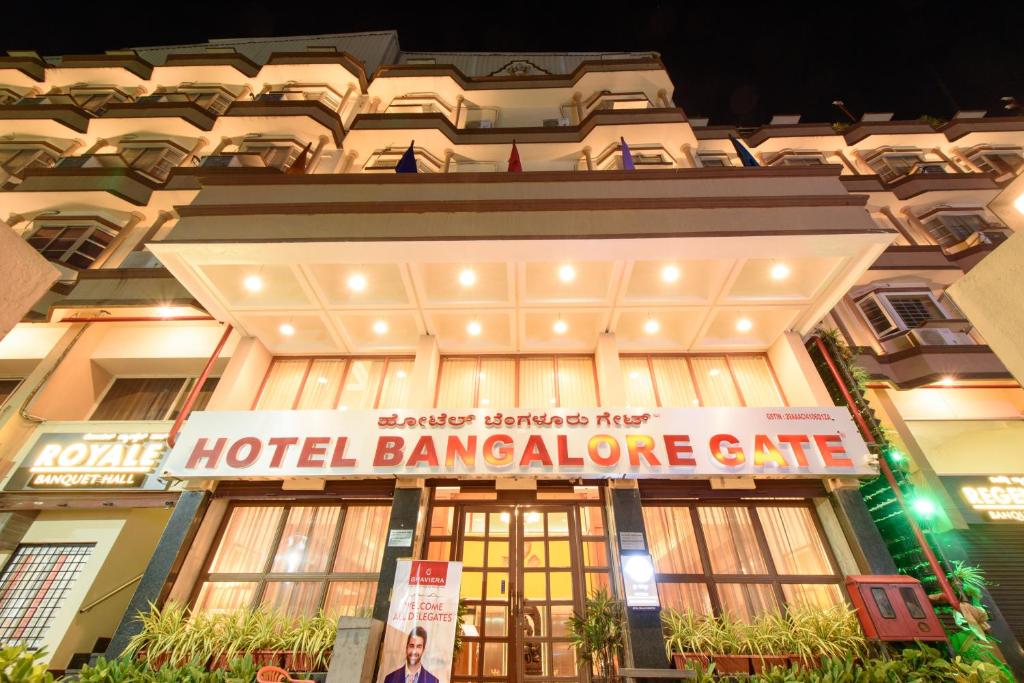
(273,674)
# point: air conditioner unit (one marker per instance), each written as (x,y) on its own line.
(940,336)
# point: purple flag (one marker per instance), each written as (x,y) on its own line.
(627,156)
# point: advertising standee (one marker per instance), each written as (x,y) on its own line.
(420,635)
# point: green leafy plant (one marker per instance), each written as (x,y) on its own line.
(20,665)
(597,634)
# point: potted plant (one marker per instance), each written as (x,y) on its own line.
(815,633)
(766,642)
(686,639)
(728,638)
(307,642)
(597,634)
(160,629)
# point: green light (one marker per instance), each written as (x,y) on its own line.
(924,507)
(895,456)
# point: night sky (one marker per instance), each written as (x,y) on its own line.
(733,62)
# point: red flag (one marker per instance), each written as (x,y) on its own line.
(298,166)
(514,164)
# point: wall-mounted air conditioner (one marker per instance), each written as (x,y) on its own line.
(940,336)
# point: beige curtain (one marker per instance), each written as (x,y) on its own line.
(714,381)
(225,596)
(362,539)
(457,383)
(675,385)
(306,539)
(756,381)
(293,598)
(282,385)
(350,598)
(536,383)
(247,539)
(361,384)
(321,388)
(823,595)
(793,541)
(731,543)
(397,380)
(685,597)
(497,383)
(577,387)
(636,376)
(745,601)
(672,541)
(143,398)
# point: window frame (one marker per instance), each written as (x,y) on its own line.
(649,357)
(710,579)
(18,381)
(517,358)
(266,575)
(92,227)
(188,383)
(341,383)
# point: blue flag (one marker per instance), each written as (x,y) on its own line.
(407,164)
(745,156)
(627,156)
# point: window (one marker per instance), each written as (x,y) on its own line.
(154,160)
(95,100)
(744,558)
(890,166)
(794,158)
(689,381)
(276,153)
(150,398)
(8,387)
(73,245)
(888,313)
(714,159)
(998,160)
(33,586)
(323,94)
(950,229)
(517,382)
(297,558)
(336,383)
(14,158)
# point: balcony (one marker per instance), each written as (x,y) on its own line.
(323,118)
(930,352)
(235,60)
(135,288)
(39,118)
(915,183)
(92,173)
(29,65)
(199,118)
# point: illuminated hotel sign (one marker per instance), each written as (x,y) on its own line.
(91,461)
(998,498)
(695,442)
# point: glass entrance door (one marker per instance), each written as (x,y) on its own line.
(522,581)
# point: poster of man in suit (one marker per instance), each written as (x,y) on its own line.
(420,633)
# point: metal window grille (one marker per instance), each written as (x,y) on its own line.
(950,230)
(33,586)
(915,310)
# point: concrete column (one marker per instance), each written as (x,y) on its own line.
(350,158)
(588,158)
(609,371)
(410,496)
(798,378)
(243,376)
(865,541)
(577,101)
(663,99)
(645,643)
(317,153)
(423,382)
(169,553)
(689,156)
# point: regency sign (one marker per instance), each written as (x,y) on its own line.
(693,442)
(996,498)
(92,460)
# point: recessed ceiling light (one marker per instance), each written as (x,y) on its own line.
(567,273)
(254,283)
(166,312)
(652,326)
(287,329)
(357,282)
(467,278)
(560,327)
(947,381)
(744,325)
(474,328)
(380,327)
(780,271)
(670,273)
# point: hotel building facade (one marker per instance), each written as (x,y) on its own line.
(532,373)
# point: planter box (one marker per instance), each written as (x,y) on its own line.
(764,663)
(300,661)
(724,664)
(803,663)
(680,659)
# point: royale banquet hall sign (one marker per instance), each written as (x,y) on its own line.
(696,442)
(420,634)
